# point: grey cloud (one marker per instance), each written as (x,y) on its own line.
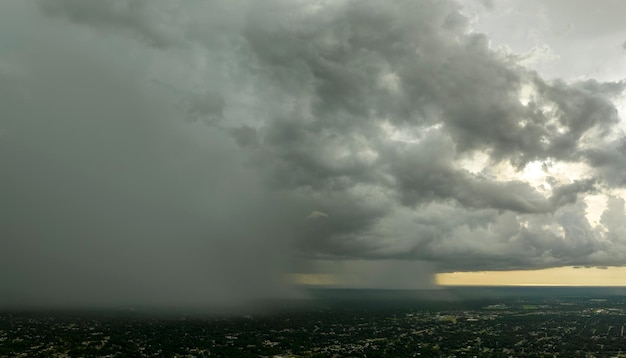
(127,15)
(489,4)
(208,108)
(437,65)
(108,198)
(580,107)
(346,231)
(568,193)
(358,110)
(493,241)
(608,160)
(448,77)
(424,174)
(245,136)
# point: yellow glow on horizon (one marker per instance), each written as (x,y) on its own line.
(310,279)
(560,276)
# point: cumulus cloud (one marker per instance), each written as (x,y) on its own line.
(337,131)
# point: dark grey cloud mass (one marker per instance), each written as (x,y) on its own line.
(191,152)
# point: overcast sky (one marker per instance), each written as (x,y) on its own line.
(188,151)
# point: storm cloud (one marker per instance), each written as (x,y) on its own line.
(195,151)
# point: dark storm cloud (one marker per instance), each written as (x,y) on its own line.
(439,73)
(609,161)
(108,199)
(437,179)
(580,107)
(358,110)
(134,17)
(437,76)
(486,240)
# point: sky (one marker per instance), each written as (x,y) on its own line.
(192,152)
